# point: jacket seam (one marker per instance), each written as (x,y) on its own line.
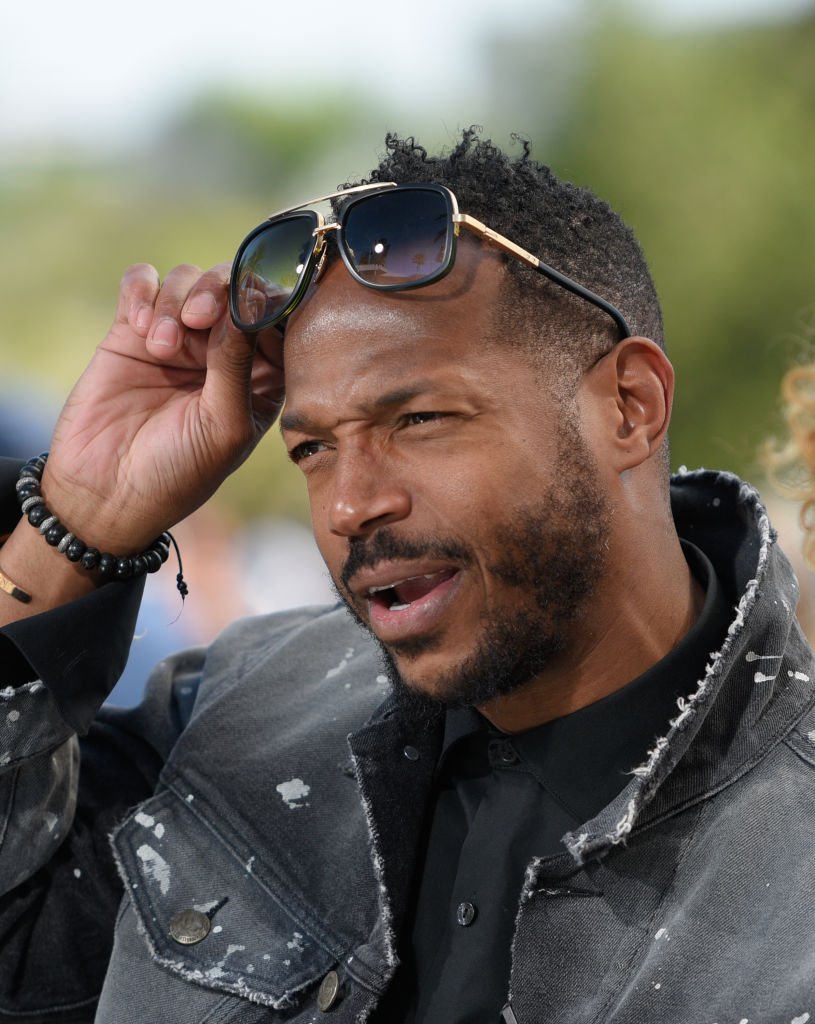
(249,663)
(636,953)
(12,794)
(795,744)
(51,1010)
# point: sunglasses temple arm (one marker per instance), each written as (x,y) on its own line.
(471,224)
(589,296)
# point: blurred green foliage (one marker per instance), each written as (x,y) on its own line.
(704,143)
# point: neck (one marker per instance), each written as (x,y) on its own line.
(635,618)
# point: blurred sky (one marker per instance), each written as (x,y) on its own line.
(98,73)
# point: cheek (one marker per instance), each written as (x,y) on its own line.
(489,479)
(452,494)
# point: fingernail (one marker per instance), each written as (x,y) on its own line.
(143,317)
(166,333)
(202,304)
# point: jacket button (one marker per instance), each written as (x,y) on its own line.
(189,927)
(329,993)
(411,753)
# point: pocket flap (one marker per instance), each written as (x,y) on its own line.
(205,915)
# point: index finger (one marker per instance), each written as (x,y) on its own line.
(207,299)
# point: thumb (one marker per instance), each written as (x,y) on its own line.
(229,354)
(227,389)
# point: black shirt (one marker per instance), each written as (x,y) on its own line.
(502,800)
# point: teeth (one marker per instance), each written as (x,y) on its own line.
(399,607)
(397,583)
(378,590)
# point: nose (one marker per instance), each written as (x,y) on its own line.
(365,496)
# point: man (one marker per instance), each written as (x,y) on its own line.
(563,770)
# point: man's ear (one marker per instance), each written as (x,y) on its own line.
(627,397)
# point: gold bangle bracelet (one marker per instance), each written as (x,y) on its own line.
(12,589)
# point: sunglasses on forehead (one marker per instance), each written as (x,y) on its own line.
(390,237)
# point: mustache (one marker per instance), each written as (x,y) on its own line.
(386,546)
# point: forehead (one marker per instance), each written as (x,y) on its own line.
(343,331)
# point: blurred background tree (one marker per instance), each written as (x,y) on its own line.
(705,142)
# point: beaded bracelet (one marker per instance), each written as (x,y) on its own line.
(116,567)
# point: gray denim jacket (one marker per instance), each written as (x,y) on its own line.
(287,819)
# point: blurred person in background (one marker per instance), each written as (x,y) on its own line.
(555,764)
(790,466)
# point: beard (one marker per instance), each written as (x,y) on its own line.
(552,553)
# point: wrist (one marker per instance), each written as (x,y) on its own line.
(103,563)
(97,521)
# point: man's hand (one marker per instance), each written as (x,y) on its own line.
(174,399)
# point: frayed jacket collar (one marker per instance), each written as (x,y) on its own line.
(755,686)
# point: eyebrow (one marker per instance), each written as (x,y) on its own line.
(293,420)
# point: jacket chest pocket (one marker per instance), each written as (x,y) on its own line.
(202,937)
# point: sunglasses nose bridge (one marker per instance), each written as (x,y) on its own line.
(320,233)
(322,229)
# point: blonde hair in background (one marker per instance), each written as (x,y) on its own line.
(791,465)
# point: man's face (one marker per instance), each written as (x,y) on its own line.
(456,505)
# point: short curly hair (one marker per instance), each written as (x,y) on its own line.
(566,226)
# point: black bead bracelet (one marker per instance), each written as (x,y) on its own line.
(113,567)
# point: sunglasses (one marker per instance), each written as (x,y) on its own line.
(390,237)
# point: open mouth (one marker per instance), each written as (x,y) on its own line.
(402,600)
(401,595)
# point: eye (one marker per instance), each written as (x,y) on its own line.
(413,419)
(305,450)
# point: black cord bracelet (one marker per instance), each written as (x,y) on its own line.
(113,567)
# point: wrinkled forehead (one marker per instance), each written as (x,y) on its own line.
(342,325)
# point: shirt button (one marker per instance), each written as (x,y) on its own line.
(504,752)
(189,927)
(329,992)
(411,753)
(465,914)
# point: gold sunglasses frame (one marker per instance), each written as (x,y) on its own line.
(460,220)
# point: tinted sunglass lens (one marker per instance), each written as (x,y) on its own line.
(400,237)
(270,267)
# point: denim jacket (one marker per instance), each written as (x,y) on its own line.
(264,873)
